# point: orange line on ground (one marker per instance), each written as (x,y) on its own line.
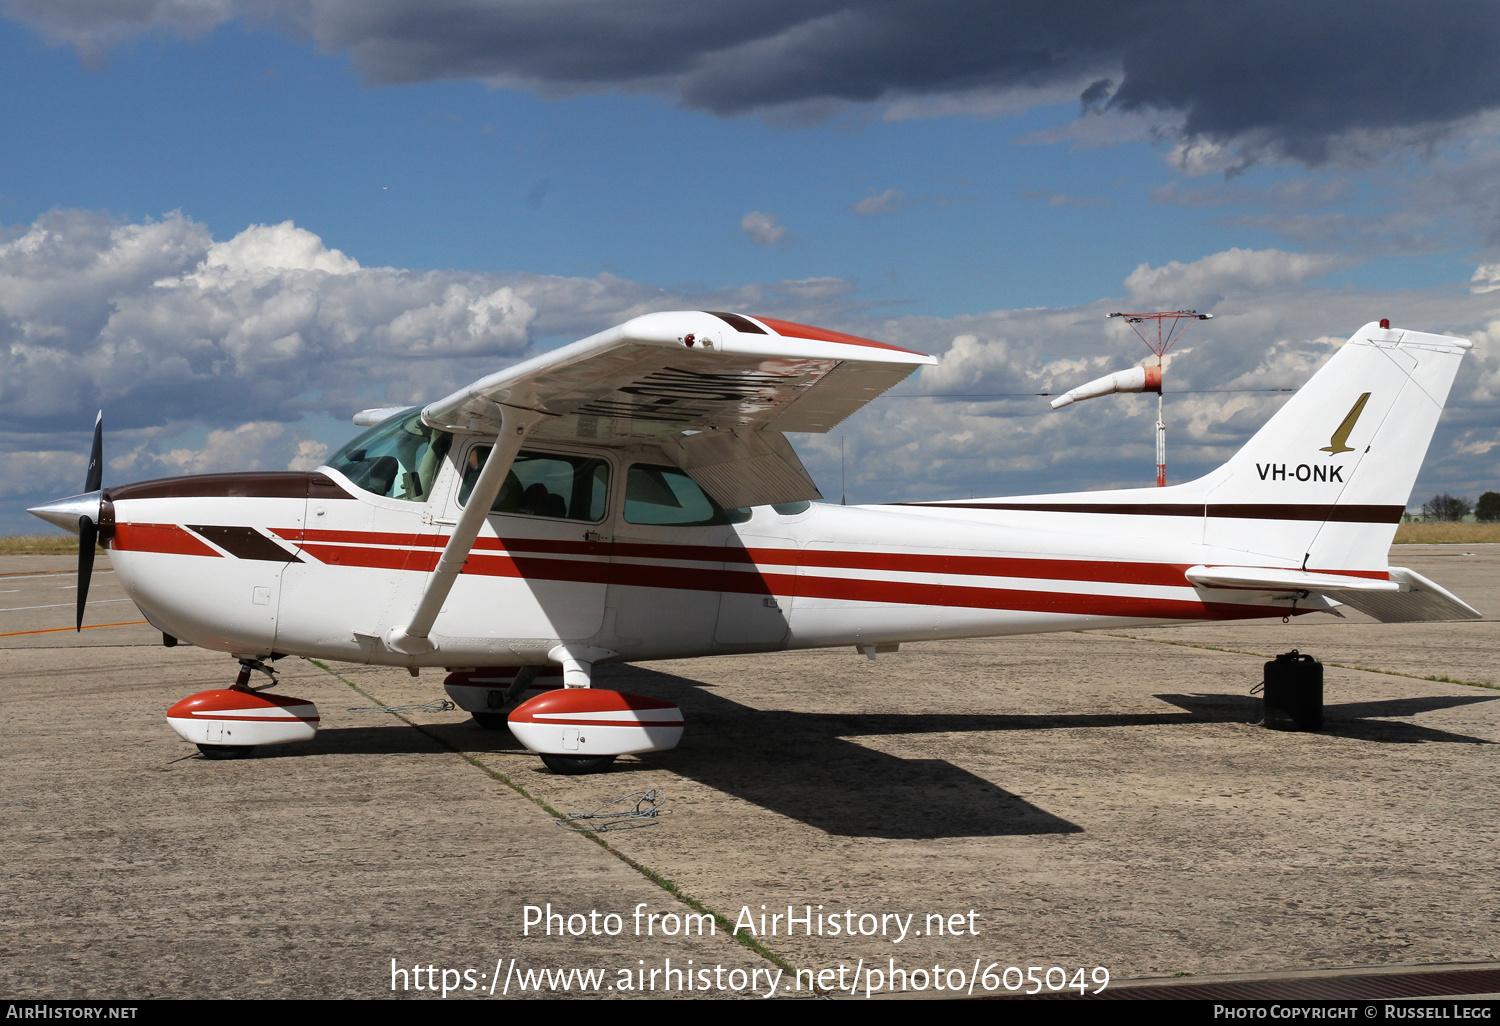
(37,573)
(89,627)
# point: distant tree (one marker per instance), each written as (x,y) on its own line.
(1488,507)
(1446,507)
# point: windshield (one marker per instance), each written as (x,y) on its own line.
(398,458)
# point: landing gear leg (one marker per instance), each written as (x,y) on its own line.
(231,723)
(495,719)
(241,683)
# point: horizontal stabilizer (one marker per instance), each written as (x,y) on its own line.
(1407,597)
(1260,578)
(1419,599)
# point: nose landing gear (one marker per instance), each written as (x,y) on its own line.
(230,723)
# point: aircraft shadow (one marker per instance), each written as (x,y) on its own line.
(804,767)
(1362,720)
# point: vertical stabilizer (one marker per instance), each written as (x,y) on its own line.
(1325,481)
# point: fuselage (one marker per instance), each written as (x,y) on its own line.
(613,558)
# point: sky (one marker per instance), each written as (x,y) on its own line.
(231,224)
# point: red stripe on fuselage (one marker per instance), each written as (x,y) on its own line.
(1098,571)
(159,538)
(705,579)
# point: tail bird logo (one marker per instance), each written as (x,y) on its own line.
(1340,440)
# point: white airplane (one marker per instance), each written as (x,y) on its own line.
(632,496)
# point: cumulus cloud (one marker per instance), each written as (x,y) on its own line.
(1261,78)
(1486,278)
(158,322)
(973,424)
(764,229)
(887,202)
(216,363)
(206,354)
(1233,271)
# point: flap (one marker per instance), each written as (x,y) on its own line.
(661,374)
(739,468)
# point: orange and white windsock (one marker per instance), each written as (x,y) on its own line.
(1136,379)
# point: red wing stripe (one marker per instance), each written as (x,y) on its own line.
(794,330)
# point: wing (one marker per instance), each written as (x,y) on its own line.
(714,390)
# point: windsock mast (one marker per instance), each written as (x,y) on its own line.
(1170,325)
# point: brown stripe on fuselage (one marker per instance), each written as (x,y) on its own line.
(244,543)
(1350,514)
(263,484)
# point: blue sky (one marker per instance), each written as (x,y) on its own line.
(416,138)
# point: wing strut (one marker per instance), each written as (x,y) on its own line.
(412,638)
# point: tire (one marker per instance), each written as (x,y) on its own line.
(490,721)
(227,751)
(575,765)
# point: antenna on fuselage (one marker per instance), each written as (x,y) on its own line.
(1170,325)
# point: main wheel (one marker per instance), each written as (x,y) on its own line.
(226,751)
(490,721)
(573,765)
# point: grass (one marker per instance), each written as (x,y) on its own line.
(38,545)
(1447,534)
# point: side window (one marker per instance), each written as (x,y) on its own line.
(666,496)
(545,485)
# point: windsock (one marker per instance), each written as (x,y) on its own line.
(1136,379)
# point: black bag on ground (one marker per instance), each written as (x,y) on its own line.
(1293,692)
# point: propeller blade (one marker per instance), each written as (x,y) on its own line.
(88,530)
(88,534)
(95,476)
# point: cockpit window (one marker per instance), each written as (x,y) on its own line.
(668,497)
(398,458)
(545,484)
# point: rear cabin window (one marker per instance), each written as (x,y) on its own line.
(666,496)
(398,458)
(542,484)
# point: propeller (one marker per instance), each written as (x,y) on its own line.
(88,527)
